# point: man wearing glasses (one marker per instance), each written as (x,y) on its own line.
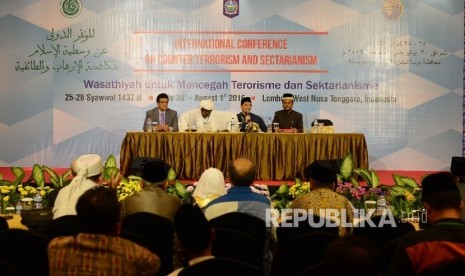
(163,118)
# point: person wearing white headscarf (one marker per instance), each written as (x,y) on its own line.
(210,186)
(87,169)
(207,119)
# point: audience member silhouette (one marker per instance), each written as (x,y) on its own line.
(209,187)
(152,198)
(24,251)
(352,255)
(323,197)
(383,232)
(457,168)
(195,235)
(98,250)
(3,224)
(153,232)
(443,242)
(88,169)
(240,198)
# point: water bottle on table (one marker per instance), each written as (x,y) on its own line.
(270,125)
(233,125)
(381,204)
(38,201)
(19,207)
(315,125)
(149,125)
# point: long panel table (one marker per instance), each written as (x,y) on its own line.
(278,156)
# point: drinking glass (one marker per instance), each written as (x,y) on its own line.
(275,127)
(206,127)
(370,205)
(27,203)
(10,210)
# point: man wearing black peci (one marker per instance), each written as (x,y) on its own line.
(246,117)
(288,119)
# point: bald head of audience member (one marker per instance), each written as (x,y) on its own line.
(242,172)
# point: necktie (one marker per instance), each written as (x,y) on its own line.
(162,118)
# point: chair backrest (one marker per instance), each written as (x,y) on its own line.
(3,224)
(158,230)
(63,226)
(388,252)
(242,222)
(320,224)
(27,251)
(301,252)
(223,267)
(6,269)
(315,269)
(52,196)
(453,268)
(384,234)
(237,245)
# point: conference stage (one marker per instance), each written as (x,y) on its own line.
(277,156)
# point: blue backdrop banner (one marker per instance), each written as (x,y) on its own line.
(77,75)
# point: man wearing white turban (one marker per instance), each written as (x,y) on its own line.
(209,187)
(88,169)
(207,119)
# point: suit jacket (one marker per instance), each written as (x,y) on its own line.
(171,118)
(153,200)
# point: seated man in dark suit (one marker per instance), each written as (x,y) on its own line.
(166,118)
(444,241)
(288,119)
(246,117)
(97,249)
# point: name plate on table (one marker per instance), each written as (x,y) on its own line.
(287,130)
(322,129)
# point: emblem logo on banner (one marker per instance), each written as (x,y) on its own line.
(392,9)
(70,8)
(231,8)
